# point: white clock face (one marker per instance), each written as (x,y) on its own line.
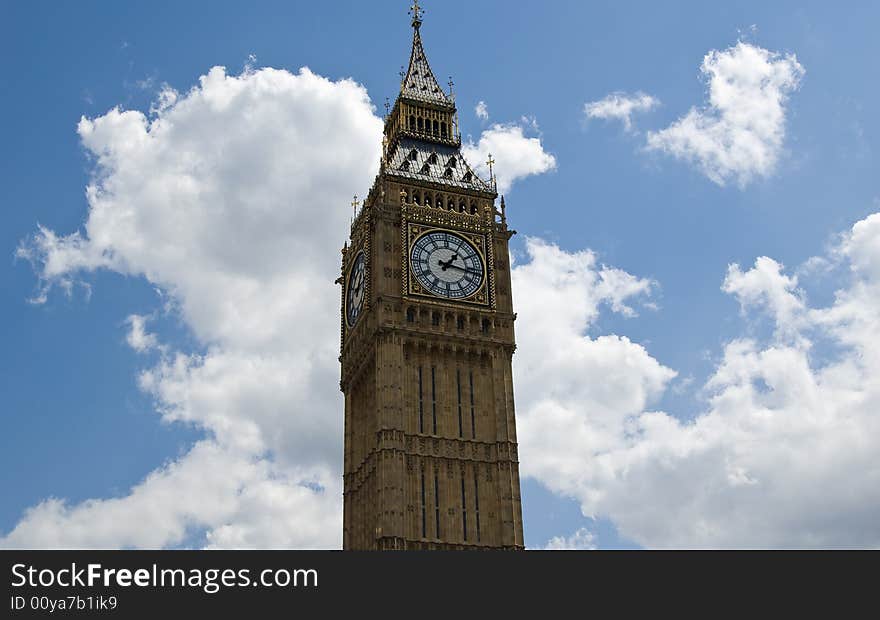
(447,264)
(354,297)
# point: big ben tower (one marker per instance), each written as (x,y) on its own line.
(427,340)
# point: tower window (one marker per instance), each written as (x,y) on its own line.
(404,165)
(473,417)
(421,405)
(463,510)
(412,122)
(450,203)
(473,208)
(448,173)
(424,519)
(421,124)
(410,315)
(433,158)
(477,502)
(460,322)
(436,504)
(436,128)
(452,163)
(458,387)
(486,326)
(433,401)
(467,177)
(412,154)
(426,169)
(435,318)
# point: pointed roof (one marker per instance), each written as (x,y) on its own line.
(420,82)
(426,156)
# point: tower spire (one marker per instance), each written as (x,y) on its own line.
(416,11)
(422,136)
(419,81)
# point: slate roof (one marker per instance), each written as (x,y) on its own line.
(420,82)
(438,163)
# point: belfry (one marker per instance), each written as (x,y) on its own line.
(427,341)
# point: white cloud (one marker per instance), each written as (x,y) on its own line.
(784,455)
(621,107)
(739,134)
(243,501)
(138,337)
(583,539)
(765,286)
(482,111)
(231,199)
(516,155)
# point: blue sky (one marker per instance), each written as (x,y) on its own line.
(78,426)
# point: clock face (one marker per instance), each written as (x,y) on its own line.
(447,264)
(354,296)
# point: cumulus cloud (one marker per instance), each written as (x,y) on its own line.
(620,106)
(783,455)
(765,286)
(138,337)
(582,540)
(231,199)
(482,111)
(243,501)
(739,134)
(516,155)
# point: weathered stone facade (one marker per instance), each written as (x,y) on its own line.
(430,436)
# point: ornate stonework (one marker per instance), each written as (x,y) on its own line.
(430,435)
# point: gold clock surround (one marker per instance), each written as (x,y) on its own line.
(419,220)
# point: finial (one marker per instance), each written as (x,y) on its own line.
(451,84)
(387,106)
(491,162)
(416,11)
(354,207)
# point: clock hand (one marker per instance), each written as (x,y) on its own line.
(447,264)
(465,269)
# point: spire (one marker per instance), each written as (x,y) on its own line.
(416,11)
(419,81)
(422,143)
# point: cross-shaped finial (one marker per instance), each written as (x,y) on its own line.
(401,73)
(387,106)
(491,162)
(354,204)
(416,11)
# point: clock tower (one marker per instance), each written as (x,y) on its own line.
(427,340)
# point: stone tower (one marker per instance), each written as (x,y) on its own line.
(427,340)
